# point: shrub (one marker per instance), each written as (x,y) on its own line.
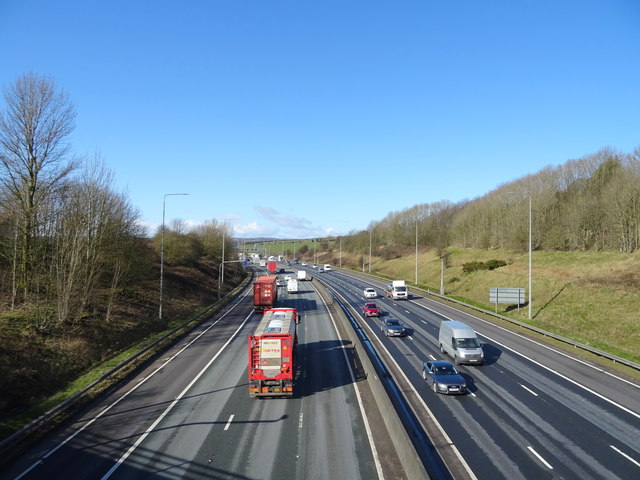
(489,265)
(474,266)
(493,264)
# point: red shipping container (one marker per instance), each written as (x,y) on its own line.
(265,292)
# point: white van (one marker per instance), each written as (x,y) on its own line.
(459,341)
(292,286)
(327,267)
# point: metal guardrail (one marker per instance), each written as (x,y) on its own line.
(389,398)
(560,338)
(51,417)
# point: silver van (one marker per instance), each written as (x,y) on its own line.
(460,342)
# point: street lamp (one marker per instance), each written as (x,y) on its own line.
(369,251)
(164,200)
(529,257)
(416,253)
(530,262)
(224,229)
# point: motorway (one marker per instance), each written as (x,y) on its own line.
(532,411)
(188,414)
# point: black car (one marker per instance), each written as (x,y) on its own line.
(392,327)
(444,377)
(282,270)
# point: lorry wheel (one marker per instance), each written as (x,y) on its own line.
(441,349)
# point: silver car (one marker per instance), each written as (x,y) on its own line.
(392,327)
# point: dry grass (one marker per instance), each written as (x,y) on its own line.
(590,297)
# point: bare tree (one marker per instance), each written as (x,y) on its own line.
(34,156)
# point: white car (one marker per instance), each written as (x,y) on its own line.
(304,264)
(287,278)
(370,293)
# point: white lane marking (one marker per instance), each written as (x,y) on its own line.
(432,357)
(529,390)
(142,437)
(365,419)
(626,456)
(226,427)
(419,398)
(126,394)
(300,421)
(593,392)
(539,457)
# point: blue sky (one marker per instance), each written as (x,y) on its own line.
(297,119)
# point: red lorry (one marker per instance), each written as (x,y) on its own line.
(272,350)
(271,266)
(265,292)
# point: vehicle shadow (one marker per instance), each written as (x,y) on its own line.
(300,304)
(471,383)
(321,367)
(491,353)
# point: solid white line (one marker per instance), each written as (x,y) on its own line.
(539,457)
(593,392)
(529,390)
(173,404)
(626,456)
(126,394)
(446,437)
(365,419)
(226,427)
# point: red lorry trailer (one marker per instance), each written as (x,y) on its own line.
(265,292)
(272,354)
(271,266)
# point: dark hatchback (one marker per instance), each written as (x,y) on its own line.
(444,378)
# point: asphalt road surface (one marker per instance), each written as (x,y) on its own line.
(188,415)
(532,411)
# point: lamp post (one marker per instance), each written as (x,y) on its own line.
(224,229)
(369,251)
(416,253)
(530,221)
(530,260)
(164,200)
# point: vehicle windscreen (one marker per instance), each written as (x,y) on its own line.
(401,289)
(393,322)
(446,370)
(467,343)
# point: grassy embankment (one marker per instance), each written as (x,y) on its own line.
(590,297)
(40,369)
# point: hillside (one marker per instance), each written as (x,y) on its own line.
(35,363)
(590,297)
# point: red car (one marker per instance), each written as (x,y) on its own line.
(370,309)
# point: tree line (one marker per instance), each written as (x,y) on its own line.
(67,237)
(591,203)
